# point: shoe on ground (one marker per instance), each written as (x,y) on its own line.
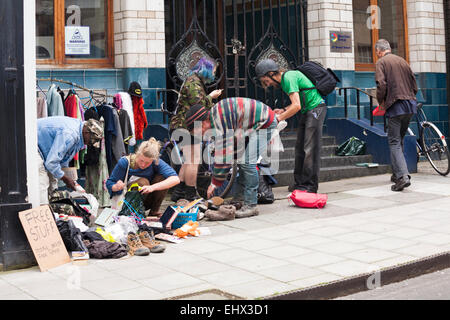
(247,211)
(191,193)
(401,184)
(225,213)
(135,246)
(178,192)
(394,179)
(149,242)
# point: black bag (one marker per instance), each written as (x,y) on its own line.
(325,80)
(351,147)
(71,236)
(265,193)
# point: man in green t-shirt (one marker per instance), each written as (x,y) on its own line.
(311,117)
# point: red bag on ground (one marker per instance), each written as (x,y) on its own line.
(305,199)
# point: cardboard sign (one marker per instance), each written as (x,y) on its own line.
(44,237)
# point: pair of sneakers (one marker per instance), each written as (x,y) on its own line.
(143,243)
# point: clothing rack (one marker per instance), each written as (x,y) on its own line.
(77,86)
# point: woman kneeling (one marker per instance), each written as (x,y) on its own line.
(146,169)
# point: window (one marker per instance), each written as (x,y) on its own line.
(374,20)
(74,32)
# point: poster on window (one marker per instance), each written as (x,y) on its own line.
(77,40)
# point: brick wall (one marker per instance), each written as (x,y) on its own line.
(139,34)
(426,35)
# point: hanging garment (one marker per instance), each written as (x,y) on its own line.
(118,147)
(140,119)
(96,176)
(71,105)
(125,127)
(55,105)
(118,101)
(128,107)
(41,105)
(106,112)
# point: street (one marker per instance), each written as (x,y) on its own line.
(433,286)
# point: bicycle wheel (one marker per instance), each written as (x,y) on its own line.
(435,148)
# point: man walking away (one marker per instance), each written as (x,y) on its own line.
(396,93)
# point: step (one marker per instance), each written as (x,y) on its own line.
(290,140)
(286,177)
(334,161)
(326,151)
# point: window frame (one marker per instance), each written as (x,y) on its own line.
(60,60)
(375,38)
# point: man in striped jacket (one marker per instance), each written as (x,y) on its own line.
(242,128)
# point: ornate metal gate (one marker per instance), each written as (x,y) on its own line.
(236,34)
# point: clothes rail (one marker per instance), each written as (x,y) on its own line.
(77,86)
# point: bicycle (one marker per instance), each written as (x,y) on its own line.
(172,155)
(431,143)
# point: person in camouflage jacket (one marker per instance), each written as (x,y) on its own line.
(192,92)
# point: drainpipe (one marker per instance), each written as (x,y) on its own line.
(447,50)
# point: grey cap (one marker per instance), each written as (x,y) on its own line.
(265,66)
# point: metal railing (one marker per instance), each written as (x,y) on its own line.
(358,104)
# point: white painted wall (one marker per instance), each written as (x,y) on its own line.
(30,101)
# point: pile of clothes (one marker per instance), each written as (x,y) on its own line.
(75,219)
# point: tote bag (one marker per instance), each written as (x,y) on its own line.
(117,201)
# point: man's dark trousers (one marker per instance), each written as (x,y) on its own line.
(397,128)
(307,149)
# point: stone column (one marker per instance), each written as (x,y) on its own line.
(325,16)
(426,35)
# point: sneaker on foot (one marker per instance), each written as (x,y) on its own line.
(247,211)
(401,184)
(135,246)
(149,242)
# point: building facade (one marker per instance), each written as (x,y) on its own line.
(136,41)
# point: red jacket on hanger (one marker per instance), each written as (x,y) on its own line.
(140,119)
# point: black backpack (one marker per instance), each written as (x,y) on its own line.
(324,80)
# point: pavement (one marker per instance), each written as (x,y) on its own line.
(364,229)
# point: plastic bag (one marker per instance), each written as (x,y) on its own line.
(105,234)
(126,225)
(304,199)
(118,232)
(351,147)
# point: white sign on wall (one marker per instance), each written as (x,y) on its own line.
(77,40)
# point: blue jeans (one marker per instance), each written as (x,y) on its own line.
(247,182)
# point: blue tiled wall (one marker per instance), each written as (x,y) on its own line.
(432,93)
